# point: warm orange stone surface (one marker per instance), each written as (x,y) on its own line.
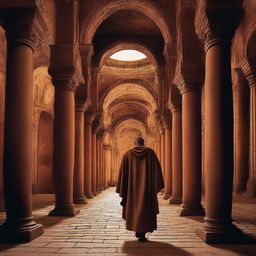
(99,230)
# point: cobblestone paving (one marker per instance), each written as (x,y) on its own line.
(100,230)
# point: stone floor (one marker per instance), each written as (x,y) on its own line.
(99,230)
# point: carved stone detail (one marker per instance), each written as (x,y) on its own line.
(249,72)
(210,18)
(29,27)
(189,87)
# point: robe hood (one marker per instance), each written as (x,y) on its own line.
(139,152)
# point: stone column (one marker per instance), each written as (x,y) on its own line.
(251,77)
(191,150)
(218,227)
(36,120)
(107,163)
(88,155)
(64,146)
(162,149)
(251,184)
(98,165)
(241,101)
(176,197)
(78,193)
(102,165)
(168,160)
(19,225)
(94,161)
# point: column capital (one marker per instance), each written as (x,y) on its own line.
(161,129)
(26,26)
(167,125)
(100,133)
(249,72)
(65,68)
(65,80)
(88,117)
(80,108)
(107,147)
(190,87)
(175,108)
(210,19)
(95,124)
(86,51)
(36,117)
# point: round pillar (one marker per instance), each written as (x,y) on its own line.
(94,162)
(18,159)
(176,197)
(107,163)
(191,151)
(168,160)
(251,184)
(218,225)
(88,155)
(64,147)
(241,101)
(78,193)
(162,149)
(98,166)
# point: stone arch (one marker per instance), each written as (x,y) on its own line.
(138,82)
(99,14)
(43,90)
(250,49)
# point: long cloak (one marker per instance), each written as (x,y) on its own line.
(140,179)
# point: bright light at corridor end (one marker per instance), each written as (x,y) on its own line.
(128,55)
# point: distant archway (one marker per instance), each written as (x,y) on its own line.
(44,182)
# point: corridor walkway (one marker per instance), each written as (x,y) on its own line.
(99,230)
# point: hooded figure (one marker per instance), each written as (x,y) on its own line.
(140,179)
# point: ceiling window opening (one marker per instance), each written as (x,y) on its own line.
(128,55)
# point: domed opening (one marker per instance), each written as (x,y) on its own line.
(128,55)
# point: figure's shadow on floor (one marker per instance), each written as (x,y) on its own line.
(151,248)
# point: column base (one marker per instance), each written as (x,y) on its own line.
(240,188)
(95,193)
(191,211)
(25,230)
(89,196)
(79,200)
(166,196)
(68,211)
(112,184)
(230,234)
(175,200)
(106,186)
(251,188)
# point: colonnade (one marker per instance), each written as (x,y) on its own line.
(82,161)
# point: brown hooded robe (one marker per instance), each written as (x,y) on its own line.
(140,179)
